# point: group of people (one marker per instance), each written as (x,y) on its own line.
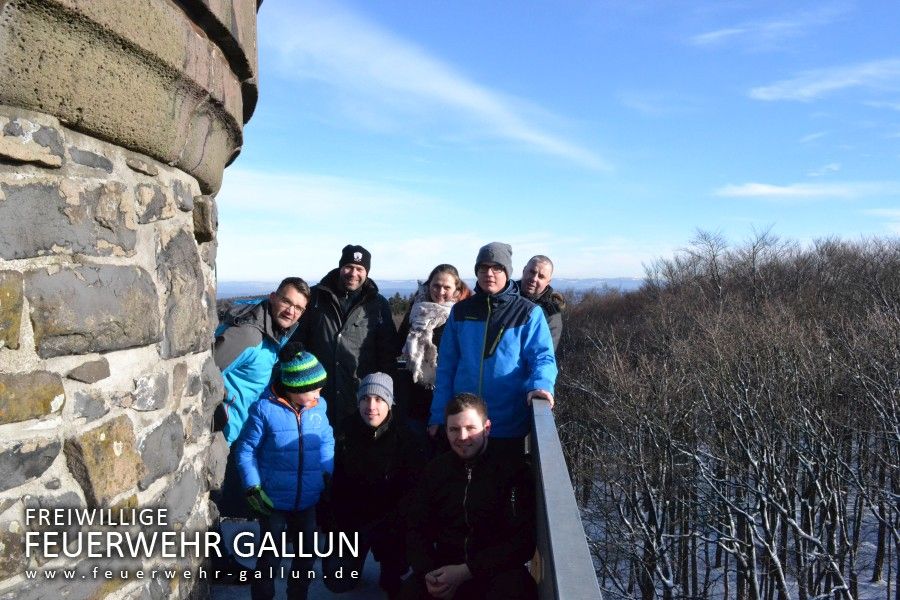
(331,416)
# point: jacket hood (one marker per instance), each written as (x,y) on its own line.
(255,315)
(511,289)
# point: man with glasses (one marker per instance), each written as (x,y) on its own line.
(246,349)
(247,345)
(497,345)
(350,329)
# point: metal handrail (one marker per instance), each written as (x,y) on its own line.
(563,566)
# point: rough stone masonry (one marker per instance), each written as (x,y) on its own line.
(116,121)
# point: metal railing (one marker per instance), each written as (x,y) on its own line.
(563,566)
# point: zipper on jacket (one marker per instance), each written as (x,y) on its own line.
(512,501)
(300,458)
(483,347)
(466,515)
(496,341)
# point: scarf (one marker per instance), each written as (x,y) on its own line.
(421,353)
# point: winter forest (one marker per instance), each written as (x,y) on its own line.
(733,427)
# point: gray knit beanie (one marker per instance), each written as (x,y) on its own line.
(377,384)
(496,252)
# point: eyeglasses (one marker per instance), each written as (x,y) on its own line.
(287,302)
(493,268)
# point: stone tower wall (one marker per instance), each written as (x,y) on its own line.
(116,121)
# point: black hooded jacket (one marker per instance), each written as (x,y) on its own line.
(480,512)
(349,347)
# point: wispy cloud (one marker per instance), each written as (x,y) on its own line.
(891,217)
(809,192)
(281,196)
(813,137)
(769,34)
(373,68)
(811,85)
(825,170)
(888,105)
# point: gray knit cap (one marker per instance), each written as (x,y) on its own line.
(496,252)
(377,384)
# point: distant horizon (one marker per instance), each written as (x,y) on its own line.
(388,287)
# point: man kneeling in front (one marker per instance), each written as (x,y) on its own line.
(472,521)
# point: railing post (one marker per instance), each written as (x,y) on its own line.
(564,565)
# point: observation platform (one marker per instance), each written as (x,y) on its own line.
(562,567)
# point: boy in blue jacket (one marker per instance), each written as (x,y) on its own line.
(284,452)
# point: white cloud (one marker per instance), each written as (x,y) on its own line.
(308,196)
(811,85)
(813,136)
(825,169)
(890,216)
(720,35)
(768,34)
(888,105)
(809,192)
(397,81)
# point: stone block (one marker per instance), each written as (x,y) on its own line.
(12,556)
(179,381)
(216,459)
(10,308)
(33,395)
(181,496)
(104,461)
(151,392)
(184,200)
(26,141)
(213,388)
(92,308)
(67,499)
(152,203)
(24,461)
(95,220)
(90,405)
(141,166)
(186,318)
(90,159)
(206,218)
(208,251)
(194,385)
(162,450)
(91,371)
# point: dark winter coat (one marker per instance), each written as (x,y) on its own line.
(348,347)
(481,513)
(553,304)
(374,475)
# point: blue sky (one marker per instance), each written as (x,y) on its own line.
(603,134)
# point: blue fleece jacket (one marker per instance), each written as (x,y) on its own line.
(499,347)
(246,350)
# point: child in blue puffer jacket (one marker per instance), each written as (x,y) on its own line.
(284,453)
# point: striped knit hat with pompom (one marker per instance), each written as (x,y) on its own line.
(302,373)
